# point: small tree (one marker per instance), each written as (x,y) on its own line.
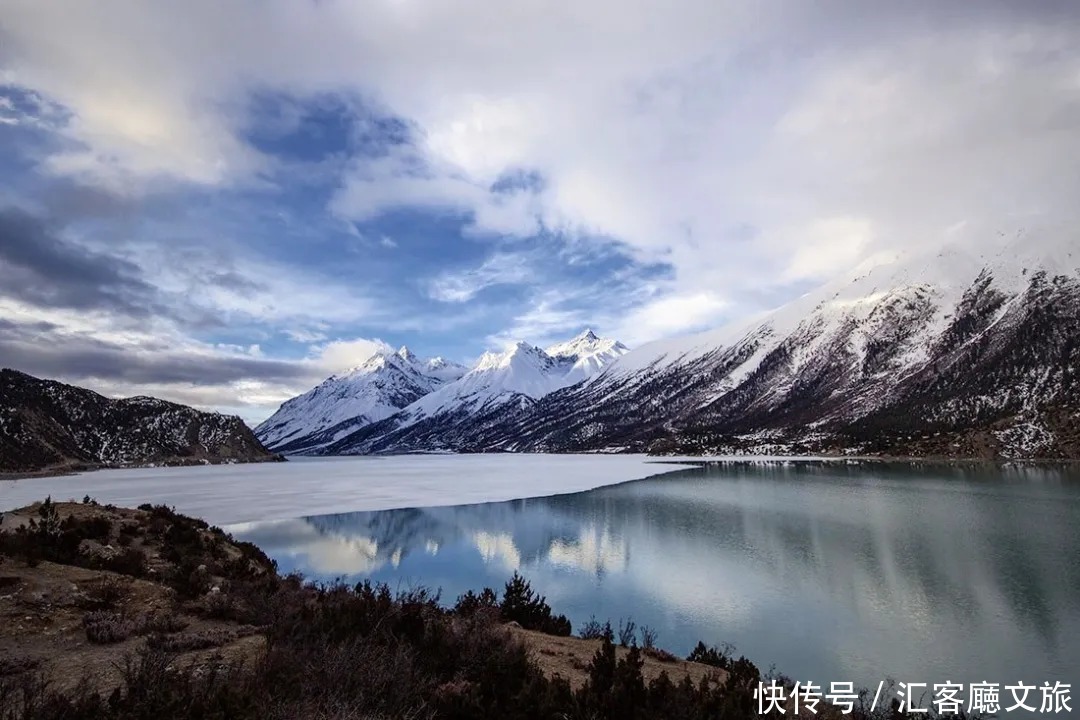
(626,632)
(470,603)
(648,637)
(522,605)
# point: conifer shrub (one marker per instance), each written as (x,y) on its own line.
(521,604)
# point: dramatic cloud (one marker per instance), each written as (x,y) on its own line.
(21,345)
(37,267)
(288,173)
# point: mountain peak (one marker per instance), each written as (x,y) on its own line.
(406,354)
(510,355)
(585,344)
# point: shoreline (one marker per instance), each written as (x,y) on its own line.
(245,493)
(82,469)
(695,460)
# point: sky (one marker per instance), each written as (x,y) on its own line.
(223,202)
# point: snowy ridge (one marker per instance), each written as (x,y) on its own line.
(508,381)
(968,340)
(523,370)
(402,390)
(591,354)
(944,275)
(375,389)
(971,350)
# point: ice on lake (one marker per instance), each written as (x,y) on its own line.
(223,494)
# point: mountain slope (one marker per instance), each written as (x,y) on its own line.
(50,425)
(500,383)
(972,351)
(377,388)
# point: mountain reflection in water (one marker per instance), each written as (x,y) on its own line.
(831,571)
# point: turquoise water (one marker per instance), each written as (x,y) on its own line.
(832,572)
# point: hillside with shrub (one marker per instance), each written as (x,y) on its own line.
(145,613)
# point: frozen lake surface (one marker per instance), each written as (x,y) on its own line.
(222,494)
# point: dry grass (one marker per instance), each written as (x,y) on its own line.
(569,658)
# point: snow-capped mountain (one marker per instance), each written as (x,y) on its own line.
(523,369)
(971,351)
(591,354)
(375,389)
(47,425)
(511,380)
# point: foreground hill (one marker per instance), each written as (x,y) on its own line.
(47,425)
(113,613)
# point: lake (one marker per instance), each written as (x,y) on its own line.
(830,571)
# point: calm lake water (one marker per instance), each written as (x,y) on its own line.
(829,571)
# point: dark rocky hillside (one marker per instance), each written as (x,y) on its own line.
(50,426)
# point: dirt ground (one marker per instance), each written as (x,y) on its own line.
(42,610)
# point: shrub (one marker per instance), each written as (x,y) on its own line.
(648,637)
(659,654)
(102,594)
(17,664)
(593,630)
(129,529)
(128,561)
(469,604)
(103,627)
(219,606)
(708,655)
(97,527)
(197,640)
(340,652)
(626,632)
(165,622)
(522,605)
(253,553)
(187,579)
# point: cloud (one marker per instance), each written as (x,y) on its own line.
(659,132)
(829,246)
(87,351)
(187,281)
(63,354)
(499,269)
(670,314)
(38,267)
(125,319)
(545,322)
(339,355)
